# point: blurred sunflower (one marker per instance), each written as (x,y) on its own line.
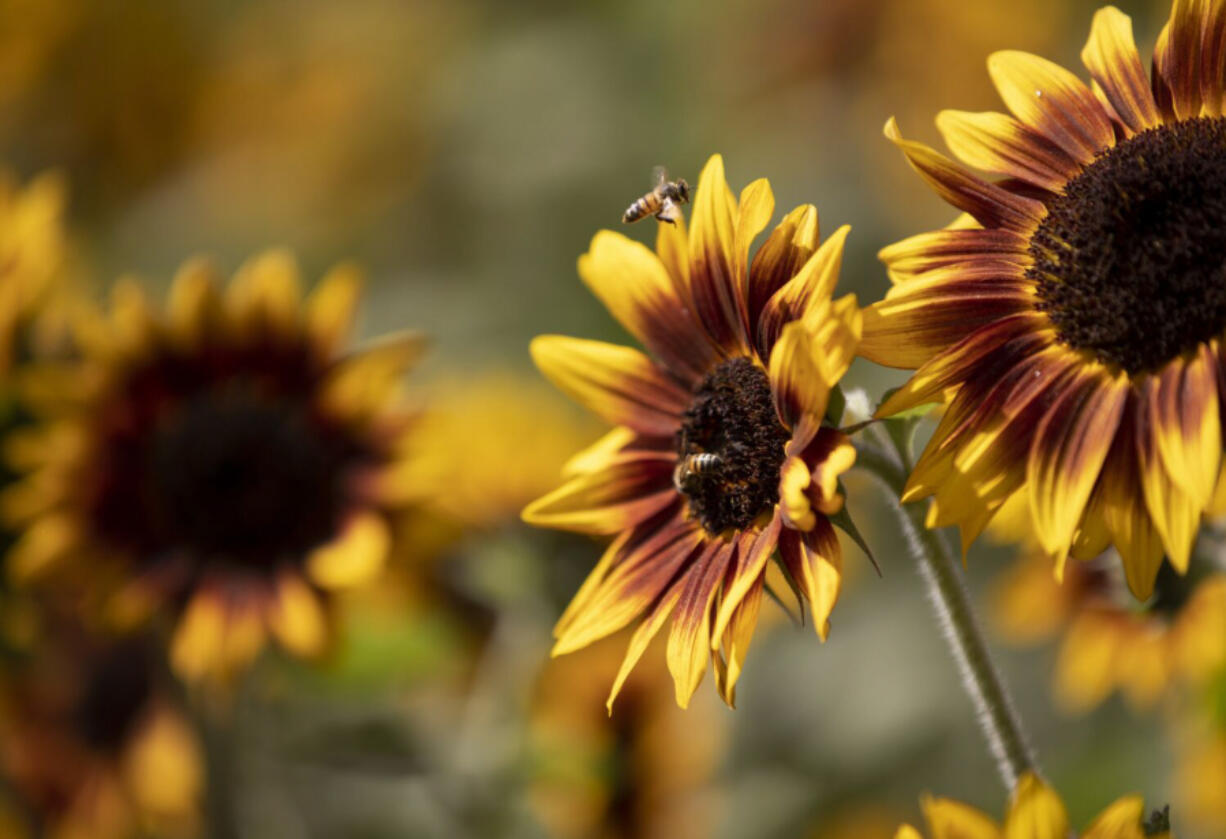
(93,743)
(1036,812)
(720,454)
(639,774)
(1075,313)
(31,253)
(1107,644)
(225,461)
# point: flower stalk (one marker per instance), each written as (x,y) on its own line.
(998,718)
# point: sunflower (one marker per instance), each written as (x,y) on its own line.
(720,454)
(1075,313)
(31,253)
(1107,644)
(93,742)
(225,462)
(1036,812)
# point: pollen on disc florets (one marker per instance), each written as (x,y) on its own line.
(1130,261)
(732,416)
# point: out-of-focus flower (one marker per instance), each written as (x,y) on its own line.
(640,773)
(1076,308)
(93,743)
(489,445)
(1108,644)
(721,452)
(31,254)
(1036,812)
(226,461)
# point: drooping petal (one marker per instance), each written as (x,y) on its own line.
(1000,144)
(689,644)
(1186,422)
(609,501)
(991,205)
(750,566)
(634,286)
(1069,447)
(815,562)
(1174,514)
(1123,509)
(713,275)
(733,642)
(639,574)
(1053,102)
(643,636)
(619,384)
(1113,61)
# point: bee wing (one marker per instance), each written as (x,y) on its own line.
(670,211)
(659,176)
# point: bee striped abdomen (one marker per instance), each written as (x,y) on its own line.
(648,205)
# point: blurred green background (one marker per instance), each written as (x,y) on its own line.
(464,153)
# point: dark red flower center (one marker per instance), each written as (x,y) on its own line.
(730,447)
(1130,261)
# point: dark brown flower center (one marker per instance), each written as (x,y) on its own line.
(1130,261)
(732,421)
(223,460)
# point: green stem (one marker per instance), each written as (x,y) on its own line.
(997,716)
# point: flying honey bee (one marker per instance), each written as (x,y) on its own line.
(694,464)
(664,201)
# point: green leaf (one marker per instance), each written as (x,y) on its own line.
(842,520)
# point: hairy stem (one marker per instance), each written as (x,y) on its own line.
(997,716)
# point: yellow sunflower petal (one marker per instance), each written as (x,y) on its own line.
(1174,513)
(609,501)
(1187,425)
(634,286)
(1000,144)
(1113,61)
(1122,820)
(949,819)
(164,767)
(643,636)
(991,205)
(713,277)
(1036,812)
(44,543)
(736,638)
(331,307)
(689,640)
(355,556)
(751,565)
(753,214)
(1053,102)
(1069,447)
(296,617)
(194,306)
(266,289)
(619,384)
(197,647)
(815,562)
(781,257)
(809,290)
